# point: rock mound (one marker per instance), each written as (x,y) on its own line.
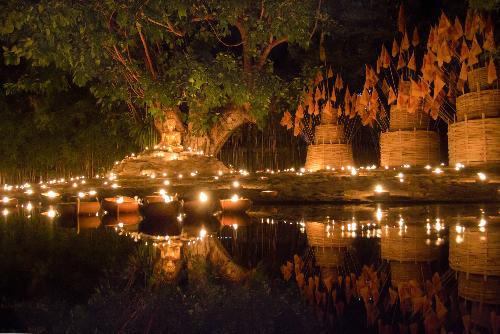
(156,162)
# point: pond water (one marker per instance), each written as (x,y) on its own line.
(396,244)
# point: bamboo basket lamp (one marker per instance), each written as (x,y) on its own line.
(476,252)
(403,272)
(477,79)
(412,245)
(417,147)
(474,141)
(477,105)
(329,257)
(401,119)
(318,236)
(319,156)
(476,288)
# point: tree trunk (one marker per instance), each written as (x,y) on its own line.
(212,142)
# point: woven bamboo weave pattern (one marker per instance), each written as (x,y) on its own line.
(416,147)
(408,245)
(334,155)
(474,142)
(403,272)
(478,79)
(476,104)
(318,236)
(476,288)
(475,252)
(329,134)
(401,119)
(329,256)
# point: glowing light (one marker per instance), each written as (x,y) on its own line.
(302,170)
(162,192)
(180,176)
(29,192)
(220,172)
(114,186)
(203,233)
(379,214)
(459,229)
(29,207)
(166,182)
(119,200)
(236,184)
(428,167)
(437,171)
(5,200)
(167,198)
(481,176)
(51,194)
(482,222)
(379,188)
(81,194)
(354,172)
(5,212)
(459,239)
(51,213)
(92,193)
(203,197)
(120,225)
(234,198)
(235,226)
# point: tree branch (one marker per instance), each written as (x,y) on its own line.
(247,65)
(146,51)
(267,50)
(316,21)
(169,26)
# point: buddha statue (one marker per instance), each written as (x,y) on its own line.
(171,136)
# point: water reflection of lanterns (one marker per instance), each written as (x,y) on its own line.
(88,222)
(120,205)
(410,250)
(330,245)
(9,202)
(161,205)
(201,206)
(79,206)
(474,254)
(228,219)
(235,204)
(126,219)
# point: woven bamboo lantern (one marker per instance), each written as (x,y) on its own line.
(475,141)
(475,105)
(401,119)
(408,243)
(329,257)
(403,272)
(478,79)
(322,235)
(414,147)
(476,252)
(408,141)
(410,249)
(330,147)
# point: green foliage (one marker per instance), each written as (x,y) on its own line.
(206,55)
(488,5)
(59,133)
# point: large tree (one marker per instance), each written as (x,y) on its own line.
(199,67)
